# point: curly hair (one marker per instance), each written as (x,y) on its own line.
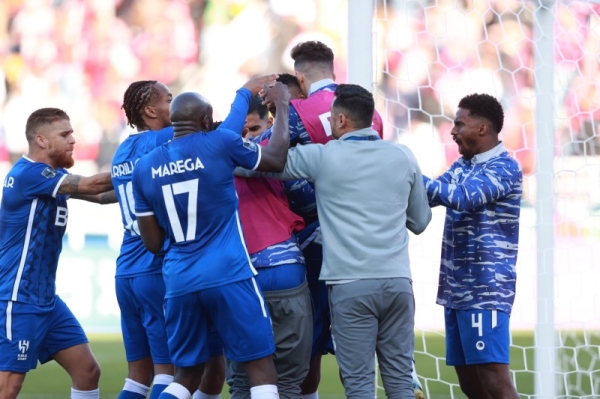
(313,53)
(484,106)
(138,95)
(42,116)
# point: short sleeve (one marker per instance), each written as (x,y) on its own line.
(242,152)
(41,180)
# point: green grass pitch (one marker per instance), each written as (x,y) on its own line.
(51,382)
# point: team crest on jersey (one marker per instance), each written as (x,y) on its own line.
(250,145)
(49,172)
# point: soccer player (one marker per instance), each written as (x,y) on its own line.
(36,323)
(365,242)
(269,229)
(482,193)
(139,284)
(257,118)
(186,207)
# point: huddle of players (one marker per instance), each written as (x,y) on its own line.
(215,302)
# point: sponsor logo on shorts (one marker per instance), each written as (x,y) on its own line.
(23,347)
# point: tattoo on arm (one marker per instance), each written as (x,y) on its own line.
(70,185)
(109,197)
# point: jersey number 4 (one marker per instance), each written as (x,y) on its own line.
(189,187)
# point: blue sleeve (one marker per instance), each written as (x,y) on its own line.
(302,199)
(239,109)
(297,130)
(40,180)
(142,206)
(164,135)
(242,152)
(496,180)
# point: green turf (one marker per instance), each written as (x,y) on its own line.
(51,382)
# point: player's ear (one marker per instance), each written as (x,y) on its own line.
(270,122)
(41,141)
(149,112)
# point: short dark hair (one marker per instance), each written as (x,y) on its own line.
(256,106)
(313,54)
(137,96)
(357,101)
(484,106)
(43,116)
(289,80)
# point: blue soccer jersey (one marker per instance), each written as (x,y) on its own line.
(33,219)
(481,231)
(188,185)
(134,259)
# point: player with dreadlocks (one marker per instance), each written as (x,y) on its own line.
(139,282)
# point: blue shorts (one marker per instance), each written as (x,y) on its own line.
(476,336)
(281,277)
(142,317)
(322,341)
(237,312)
(29,333)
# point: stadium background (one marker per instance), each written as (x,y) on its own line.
(81,55)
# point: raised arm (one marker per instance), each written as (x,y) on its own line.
(74,185)
(273,156)
(237,115)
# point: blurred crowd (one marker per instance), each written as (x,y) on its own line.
(432,53)
(80,55)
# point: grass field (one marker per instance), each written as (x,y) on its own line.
(51,382)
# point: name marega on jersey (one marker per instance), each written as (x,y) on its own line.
(179,166)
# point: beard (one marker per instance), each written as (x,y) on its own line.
(62,159)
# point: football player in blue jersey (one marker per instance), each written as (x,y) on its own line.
(139,282)
(139,285)
(186,207)
(482,193)
(36,323)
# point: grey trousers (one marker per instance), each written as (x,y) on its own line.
(371,317)
(292,318)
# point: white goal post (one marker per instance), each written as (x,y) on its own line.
(553,116)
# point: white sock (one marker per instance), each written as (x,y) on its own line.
(162,379)
(314,395)
(201,395)
(135,387)
(264,392)
(93,394)
(178,390)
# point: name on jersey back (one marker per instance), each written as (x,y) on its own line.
(179,166)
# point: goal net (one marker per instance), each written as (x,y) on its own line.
(429,54)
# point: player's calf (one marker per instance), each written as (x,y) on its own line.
(10,384)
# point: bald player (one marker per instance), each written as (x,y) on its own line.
(186,207)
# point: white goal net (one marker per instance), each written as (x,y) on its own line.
(429,54)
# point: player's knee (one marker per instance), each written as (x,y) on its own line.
(87,376)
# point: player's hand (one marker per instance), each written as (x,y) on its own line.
(278,93)
(257,83)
